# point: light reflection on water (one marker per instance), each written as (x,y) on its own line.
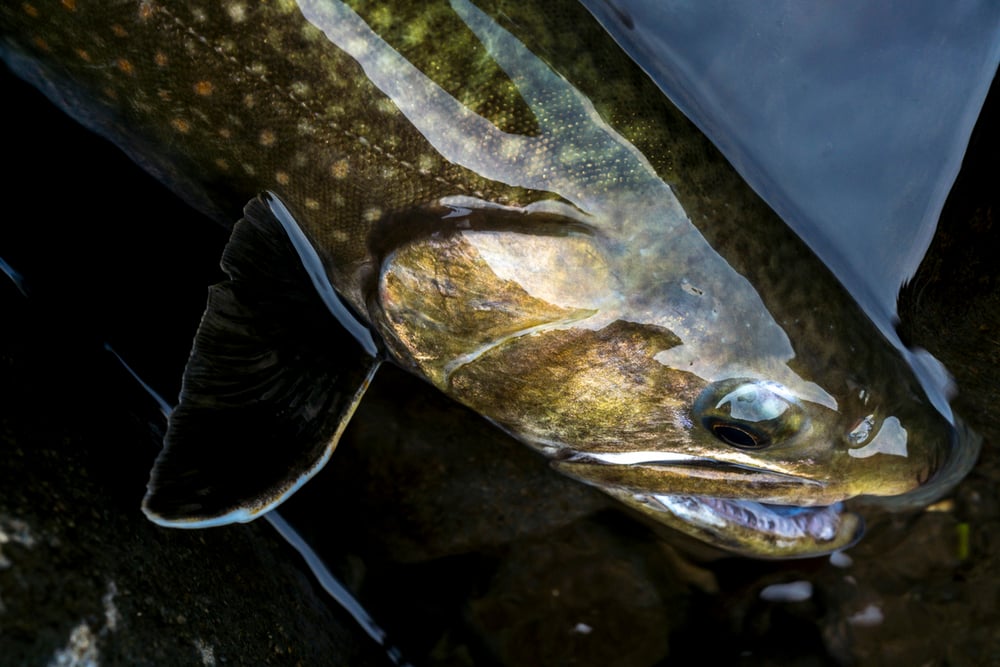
(851,118)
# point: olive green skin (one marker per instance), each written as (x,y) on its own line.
(537,231)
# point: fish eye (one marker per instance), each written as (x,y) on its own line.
(749,414)
(737,435)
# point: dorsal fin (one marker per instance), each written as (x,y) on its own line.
(273,378)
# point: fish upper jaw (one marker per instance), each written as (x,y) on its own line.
(743,509)
(677,473)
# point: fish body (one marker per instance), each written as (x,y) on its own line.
(496,198)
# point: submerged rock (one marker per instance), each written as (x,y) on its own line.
(85,579)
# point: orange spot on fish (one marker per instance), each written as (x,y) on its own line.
(181,125)
(69,4)
(30,10)
(267,138)
(41,44)
(83,55)
(125,66)
(119,31)
(340,169)
(221,164)
(204,88)
(160,58)
(145,10)
(282,178)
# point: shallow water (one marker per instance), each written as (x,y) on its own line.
(465,554)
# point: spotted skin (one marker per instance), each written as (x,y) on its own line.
(529,224)
(295,115)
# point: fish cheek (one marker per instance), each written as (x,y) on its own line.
(439,304)
(552,374)
(586,390)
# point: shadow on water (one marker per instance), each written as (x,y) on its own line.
(462,543)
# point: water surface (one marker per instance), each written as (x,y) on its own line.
(850,118)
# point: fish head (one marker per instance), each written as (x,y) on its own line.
(541,332)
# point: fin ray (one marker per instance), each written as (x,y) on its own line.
(269,387)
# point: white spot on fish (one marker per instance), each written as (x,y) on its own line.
(425,164)
(301,90)
(340,169)
(385,105)
(267,138)
(237,12)
(306,128)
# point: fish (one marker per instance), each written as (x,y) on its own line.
(494,197)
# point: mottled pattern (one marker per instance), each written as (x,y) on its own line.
(249,95)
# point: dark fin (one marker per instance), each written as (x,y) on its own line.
(272,381)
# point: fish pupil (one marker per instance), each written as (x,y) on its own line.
(737,437)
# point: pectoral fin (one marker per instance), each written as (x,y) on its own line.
(277,368)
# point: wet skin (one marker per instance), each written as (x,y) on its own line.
(523,219)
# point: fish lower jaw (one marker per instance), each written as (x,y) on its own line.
(759,529)
(782,521)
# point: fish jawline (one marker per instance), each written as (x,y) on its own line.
(760,529)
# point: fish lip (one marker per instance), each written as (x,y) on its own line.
(667,460)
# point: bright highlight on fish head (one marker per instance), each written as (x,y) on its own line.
(532,332)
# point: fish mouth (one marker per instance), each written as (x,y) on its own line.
(762,529)
(742,509)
